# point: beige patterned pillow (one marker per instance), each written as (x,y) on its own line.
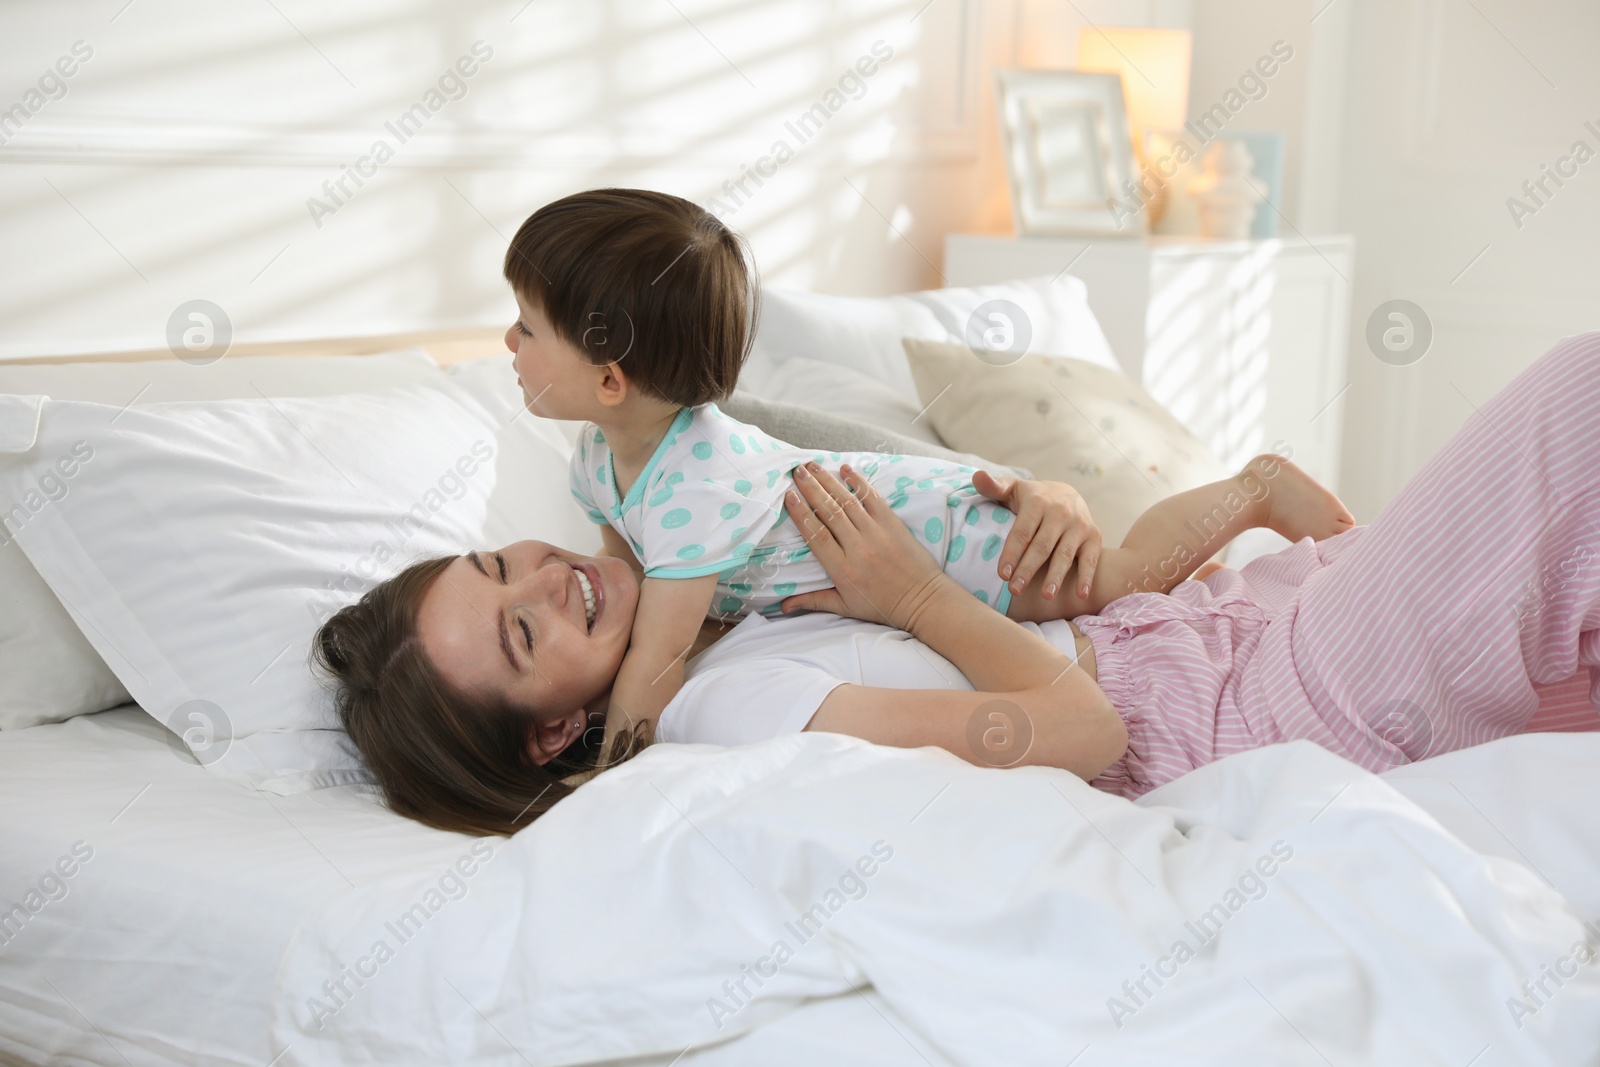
(1066,420)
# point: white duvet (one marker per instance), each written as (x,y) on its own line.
(1282,906)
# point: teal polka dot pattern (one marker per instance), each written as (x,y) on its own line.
(700,505)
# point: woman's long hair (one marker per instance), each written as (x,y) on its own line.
(453,760)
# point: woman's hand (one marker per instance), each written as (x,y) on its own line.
(1052,526)
(880,573)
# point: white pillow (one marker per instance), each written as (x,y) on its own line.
(839,391)
(48,672)
(864,333)
(199,545)
(492,382)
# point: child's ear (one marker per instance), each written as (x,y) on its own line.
(611,385)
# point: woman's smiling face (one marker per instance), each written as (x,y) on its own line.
(515,624)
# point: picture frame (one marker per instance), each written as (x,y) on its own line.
(1068,153)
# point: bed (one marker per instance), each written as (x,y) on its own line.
(188,913)
(168,945)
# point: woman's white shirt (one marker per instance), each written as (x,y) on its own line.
(767,677)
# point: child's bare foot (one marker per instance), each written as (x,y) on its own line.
(1297,504)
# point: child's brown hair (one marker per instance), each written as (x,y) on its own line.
(644,279)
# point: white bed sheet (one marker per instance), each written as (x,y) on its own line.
(166,947)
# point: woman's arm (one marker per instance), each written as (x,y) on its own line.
(1028,728)
(1032,703)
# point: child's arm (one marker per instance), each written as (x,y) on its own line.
(665,626)
(617,548)
(1174,537)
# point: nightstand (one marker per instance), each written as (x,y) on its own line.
(1244,341)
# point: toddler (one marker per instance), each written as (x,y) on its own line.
(635,317)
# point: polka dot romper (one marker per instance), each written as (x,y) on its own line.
(710,501)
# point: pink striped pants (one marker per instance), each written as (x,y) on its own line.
(1467,611)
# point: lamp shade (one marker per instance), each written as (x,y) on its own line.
(1154,65)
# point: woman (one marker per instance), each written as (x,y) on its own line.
(1466,608)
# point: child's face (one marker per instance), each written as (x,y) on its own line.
(557,383)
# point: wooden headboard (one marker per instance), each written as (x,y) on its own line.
(445,346)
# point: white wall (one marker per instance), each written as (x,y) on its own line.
(1449,108)
(1414,123)
(179,163)
(1229,38)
